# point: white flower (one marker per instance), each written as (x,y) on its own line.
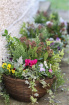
(15,65)
(36,94)
(23,65)
(41,65)
(26,82)
(62,21)
(42,69)
(20,61)
(51,39)
(45,63)
(49,22)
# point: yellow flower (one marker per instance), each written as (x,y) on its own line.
(24,70)
(13,71)
(8,66)
(49,42)
(3,65)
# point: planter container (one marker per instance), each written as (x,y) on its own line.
(18,90)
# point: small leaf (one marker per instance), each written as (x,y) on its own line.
(1,70)
(6,32)
(3,34)
(45,56)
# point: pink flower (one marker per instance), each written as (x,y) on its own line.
(32,62)
(35,61)
(50,70)
(29,62)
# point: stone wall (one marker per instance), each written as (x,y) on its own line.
(11,10)
(12,14)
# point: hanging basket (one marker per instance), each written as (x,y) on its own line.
(18,90)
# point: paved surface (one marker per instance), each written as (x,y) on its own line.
(44,6)
(64,14)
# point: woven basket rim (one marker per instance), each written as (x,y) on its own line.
(23,80)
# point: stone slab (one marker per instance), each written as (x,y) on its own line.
(44,5)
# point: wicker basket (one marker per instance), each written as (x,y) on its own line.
(18,90)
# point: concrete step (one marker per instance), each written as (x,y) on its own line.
(44,6)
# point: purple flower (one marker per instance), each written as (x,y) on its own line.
(41,65)
(52,44)
(58,39)
(10,59)
(58,48)
(42,69)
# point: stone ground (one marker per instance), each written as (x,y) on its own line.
(62,94)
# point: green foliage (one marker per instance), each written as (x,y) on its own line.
(33,100)
(59,79)
(18,52)
(37,40)
(30,30)
(56,47)
(23,30)
(11,41)
(43,35)
(54,16)
(54,28)
(40,18)
(5,33)
(44,84)
(32,85)
(51,97)
(1,71)
(2,92)
(6,96)
(37,48)
(45,56)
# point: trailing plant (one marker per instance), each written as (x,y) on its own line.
(3,93)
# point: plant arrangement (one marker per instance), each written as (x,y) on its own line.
(31,61)
(41,17)
(56,30)
(31,30)
(55,26)
(41,32)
